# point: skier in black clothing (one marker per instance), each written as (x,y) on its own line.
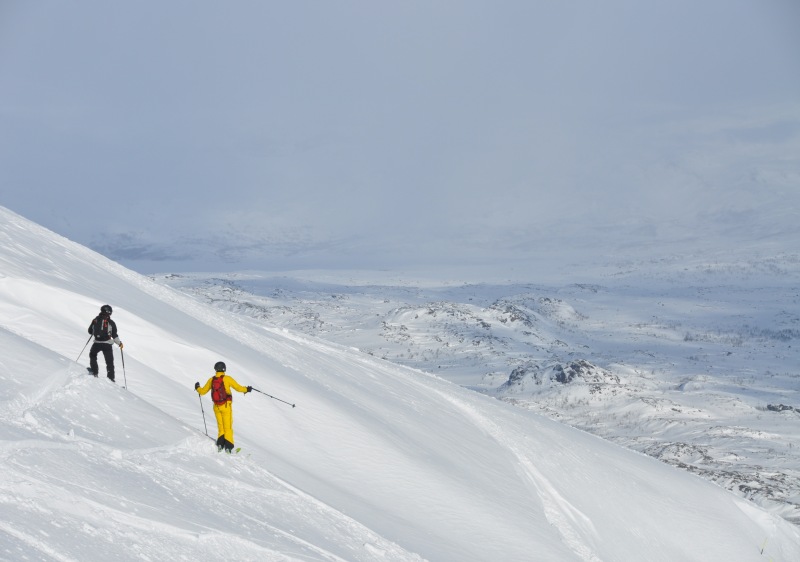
(104,330)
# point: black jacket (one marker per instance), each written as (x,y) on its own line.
(101,335)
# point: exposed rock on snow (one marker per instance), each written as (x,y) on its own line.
(530,375)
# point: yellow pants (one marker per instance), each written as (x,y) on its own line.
(224,415)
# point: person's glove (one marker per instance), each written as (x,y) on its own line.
(196,385)
(249,389)
(120,345)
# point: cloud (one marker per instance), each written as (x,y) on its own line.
(304,129)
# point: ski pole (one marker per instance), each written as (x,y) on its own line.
(84,348)
(271,396)
(204,414)
(124,376)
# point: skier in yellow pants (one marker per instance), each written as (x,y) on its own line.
(220,386)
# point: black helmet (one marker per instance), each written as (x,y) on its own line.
(219,367)
(106,309)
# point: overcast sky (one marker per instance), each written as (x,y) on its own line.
(229,135)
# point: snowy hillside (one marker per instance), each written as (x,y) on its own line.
(694,365)
(376,462)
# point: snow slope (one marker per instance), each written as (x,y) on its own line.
(376,462)
(692,359)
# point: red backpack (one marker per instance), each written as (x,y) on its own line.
(218,394)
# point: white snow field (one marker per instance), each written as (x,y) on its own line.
(376,462)
(691,361)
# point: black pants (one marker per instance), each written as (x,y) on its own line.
(108,355)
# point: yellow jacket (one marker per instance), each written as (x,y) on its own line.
(229,382)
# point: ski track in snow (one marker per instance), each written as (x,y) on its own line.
(574,526)
(34,543)
(23,484)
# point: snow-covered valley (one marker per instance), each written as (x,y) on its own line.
(691,363)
